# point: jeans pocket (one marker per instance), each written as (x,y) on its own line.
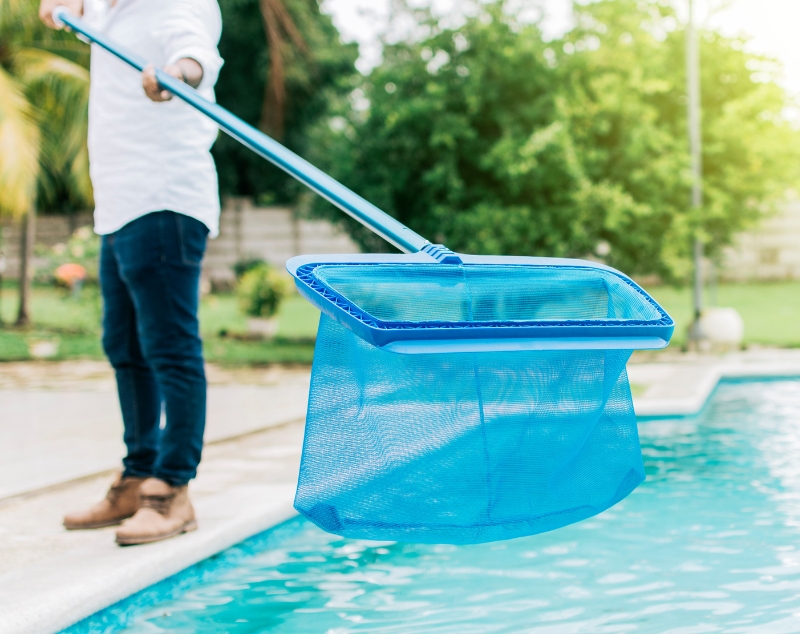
(192,238)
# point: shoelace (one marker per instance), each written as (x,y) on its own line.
(159,503)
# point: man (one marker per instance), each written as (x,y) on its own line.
(156,201)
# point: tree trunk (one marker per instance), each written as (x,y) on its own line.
(27,238)
(2,273)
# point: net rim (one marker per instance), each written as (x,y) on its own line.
(305,274)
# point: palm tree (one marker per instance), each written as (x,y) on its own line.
(19,151)
(278,26)
(44,94)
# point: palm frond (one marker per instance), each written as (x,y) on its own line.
(19,20)
(15,6)
(38,65)
(19,148)
(20,26)
(59,89)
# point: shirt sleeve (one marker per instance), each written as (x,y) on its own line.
(192,28)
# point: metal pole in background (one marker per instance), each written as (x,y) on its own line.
(696,148)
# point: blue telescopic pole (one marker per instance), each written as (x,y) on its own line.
(348,201)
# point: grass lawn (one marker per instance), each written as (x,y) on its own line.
(297,319)
(75,325)
(771,312)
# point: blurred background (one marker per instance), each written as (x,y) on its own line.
(551,128)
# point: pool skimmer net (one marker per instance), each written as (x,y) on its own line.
(455,398)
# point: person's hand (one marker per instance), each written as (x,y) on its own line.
(46,8)
(151,86)
(186,69)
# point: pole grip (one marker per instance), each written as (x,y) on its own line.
(345,199)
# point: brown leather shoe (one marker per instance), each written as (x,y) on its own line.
(121,502)
(164,511)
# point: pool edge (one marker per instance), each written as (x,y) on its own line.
(46,601)
(690,396)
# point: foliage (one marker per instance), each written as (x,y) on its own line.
(261,291)
(311,80)
(243,266)
(19,147)
(83,247)
(492,140)
(629,123)
(44,92)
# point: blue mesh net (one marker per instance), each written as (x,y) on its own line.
(414,293)
(468,447)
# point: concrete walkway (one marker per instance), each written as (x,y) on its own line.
(59,422)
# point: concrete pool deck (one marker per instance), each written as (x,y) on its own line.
(670,384)
(59,422)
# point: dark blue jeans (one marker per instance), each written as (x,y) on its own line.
(150,278)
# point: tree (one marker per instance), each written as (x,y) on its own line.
(492,140)
(283,63)
(278,23)
(627,95)
(44,92)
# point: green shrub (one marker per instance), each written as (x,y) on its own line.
(261,290)
(243,266)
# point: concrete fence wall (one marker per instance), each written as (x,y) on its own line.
(769,252)
(274,234)
(50,230)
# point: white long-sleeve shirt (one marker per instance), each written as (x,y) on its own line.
(146,156)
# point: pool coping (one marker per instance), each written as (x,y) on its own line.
(56,593)
(117,575)
(683,388)
(128,610)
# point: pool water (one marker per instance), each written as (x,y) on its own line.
(710,542)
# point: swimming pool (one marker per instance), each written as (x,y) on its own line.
(710,542)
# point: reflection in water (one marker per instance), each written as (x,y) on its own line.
(708,543)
